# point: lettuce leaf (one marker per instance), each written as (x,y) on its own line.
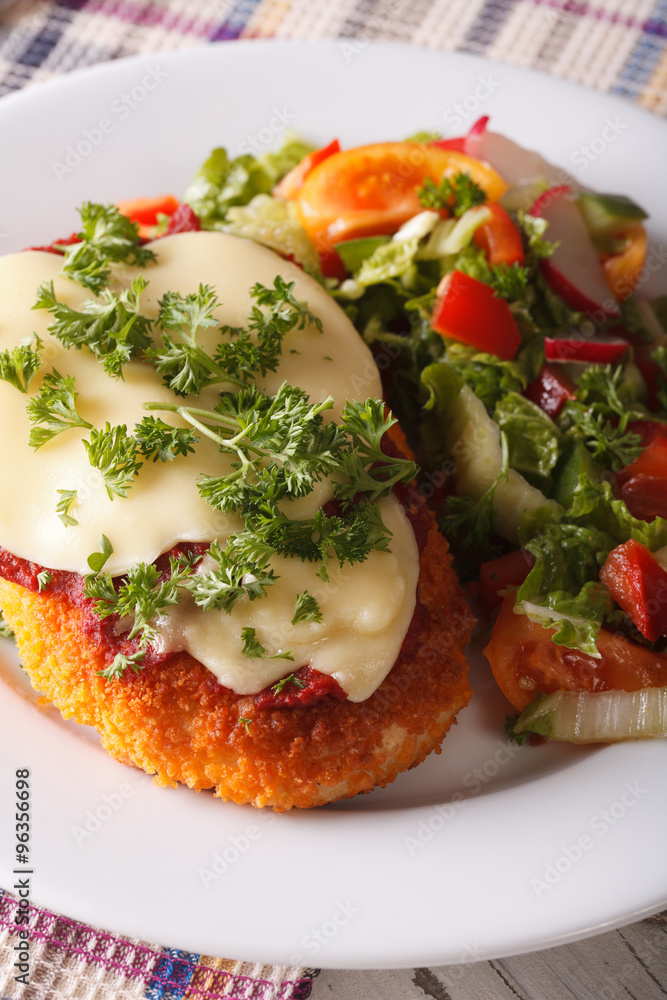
(274,223)
(222,182)
(532,436)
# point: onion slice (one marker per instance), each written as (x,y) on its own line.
(597,717)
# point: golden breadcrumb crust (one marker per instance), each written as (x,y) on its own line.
(178,723)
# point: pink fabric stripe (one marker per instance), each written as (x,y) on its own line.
(581,9)
(215,979)
(153,16)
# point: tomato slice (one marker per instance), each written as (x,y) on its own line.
(623,270)
(499,238)
(372,190)
(292,182)
(499,574)
(466,309)
(524,661)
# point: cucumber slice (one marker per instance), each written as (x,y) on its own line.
(473,440)
(609,214)
(354,252)
(597,717)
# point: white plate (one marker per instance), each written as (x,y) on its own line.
(479,853)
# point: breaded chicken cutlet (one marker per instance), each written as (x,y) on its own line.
(293,679)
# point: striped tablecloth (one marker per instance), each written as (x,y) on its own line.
(618,46)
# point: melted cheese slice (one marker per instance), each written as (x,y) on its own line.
(366,607)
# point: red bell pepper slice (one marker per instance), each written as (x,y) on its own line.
(499,238)
(651,462)
(594,351)
(292,182)
(501,574)
(551,390)
(638,583)
(466,309)
(145,212)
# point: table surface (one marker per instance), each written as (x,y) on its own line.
(626,963)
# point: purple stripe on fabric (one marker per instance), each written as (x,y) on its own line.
(488,21)
(151,15)
(74,938)
(652,26)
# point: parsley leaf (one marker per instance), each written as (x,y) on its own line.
(600,417)
(518,738)
(64,505)
(306,609)
(44,579)
(18,365)
(53,409)
(158,441)
(111,327)
(253,648)
(458,193)
(122,663)
(509,282)
(97,560)
(284,681)
(240,573)
(142,594)
(114,452)
(106,237)
(257,348)
(184,365)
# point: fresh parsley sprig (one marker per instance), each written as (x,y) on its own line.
(64,505)
(160,442)
(53,409)
(18,365)
(600,416)
(253,649)
(306,609)
(142,595)
(457,193)
(111,327)
(284,681)
(115,453)
(240,573)
(106,238)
